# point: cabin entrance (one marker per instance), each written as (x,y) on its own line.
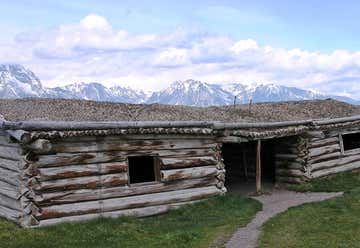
(240,165)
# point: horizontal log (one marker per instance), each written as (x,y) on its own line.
(324,142)
(9,164)
(10,214)
(324,150)
(89,125)
(73,209)
(89,182)
(171,163)
(10,177)
(9,190)
(351,152)
(135,137)
(188,173)
(113,156)
(324,157)
(9,202)
(335,162)
(71,171)
(314,134)
(337,169)
(116,192)
(11,153)
(130,145)
(136,212)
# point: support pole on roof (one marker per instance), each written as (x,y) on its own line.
(258,167)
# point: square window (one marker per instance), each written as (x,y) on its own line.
(351,141)
(143,169)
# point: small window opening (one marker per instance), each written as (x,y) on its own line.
(142,169)
(351,141)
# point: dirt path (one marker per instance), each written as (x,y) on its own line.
(276,202)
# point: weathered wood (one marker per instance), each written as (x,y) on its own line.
(341,143)
(9,202)
(324,142)
(71,171)
(9,177)
(324,150)
(171,163)
(188,173)
(114,156)
(89,182)
(135,212)
(258,166)
(88,125)
(9,164)
(232,139)
(110,137)
(40,146)
(20,135)
(335,162)
(115,192)
(314,134)
(324,157)
(11,153)
(4,141)
(337,169)
(9,190)
(10,214)
(57,211)
(130,145)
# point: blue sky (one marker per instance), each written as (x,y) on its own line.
(311,44)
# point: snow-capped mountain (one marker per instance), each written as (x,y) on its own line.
(192,93)
(19,82)
(196,93)
(96,92)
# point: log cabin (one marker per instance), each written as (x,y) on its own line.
(75,162)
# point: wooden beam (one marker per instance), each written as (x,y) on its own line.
(258,167)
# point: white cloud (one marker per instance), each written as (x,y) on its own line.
(92,50)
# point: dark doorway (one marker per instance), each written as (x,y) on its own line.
(240,165)
(142,169)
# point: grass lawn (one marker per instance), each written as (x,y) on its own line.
(332,223)
(199,225)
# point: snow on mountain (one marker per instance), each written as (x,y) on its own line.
(19,82)
(192,93)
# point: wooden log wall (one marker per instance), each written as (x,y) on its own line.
(326,155)
(290,160)
(87,177)
(10,195)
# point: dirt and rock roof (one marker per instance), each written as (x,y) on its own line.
(81,110)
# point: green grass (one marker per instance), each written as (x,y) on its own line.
(331,223)
(200,225)
(339,182)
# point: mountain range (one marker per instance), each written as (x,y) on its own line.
(18,82)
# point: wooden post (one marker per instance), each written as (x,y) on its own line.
(258,167)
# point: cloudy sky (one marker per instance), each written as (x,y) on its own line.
(149,44)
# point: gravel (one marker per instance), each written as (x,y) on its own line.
(81,110)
